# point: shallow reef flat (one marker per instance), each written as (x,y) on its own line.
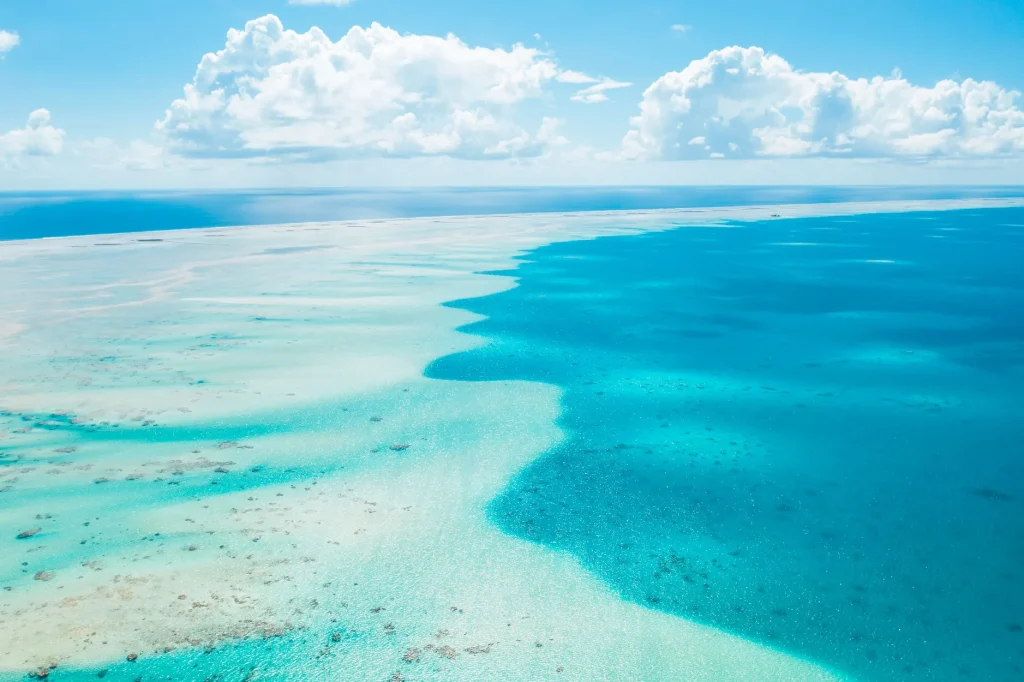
(219,456)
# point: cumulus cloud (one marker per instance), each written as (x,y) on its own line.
(276,93)
(743,103)
(8,41)
(37,138)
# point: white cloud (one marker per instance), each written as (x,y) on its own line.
(137,155)
(744,103)
(681,28)
(336,3)
(595,93)
(8,41)
(277,93)
(37,138)
(574,77)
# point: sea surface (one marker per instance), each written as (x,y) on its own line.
(266,455)
(806,432)
(56,214)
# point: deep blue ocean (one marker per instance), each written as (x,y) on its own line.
(807,432)
(55,214)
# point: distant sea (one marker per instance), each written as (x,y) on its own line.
(58,214)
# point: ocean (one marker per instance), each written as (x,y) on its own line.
(717,445)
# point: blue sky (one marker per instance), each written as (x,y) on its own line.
(106,72)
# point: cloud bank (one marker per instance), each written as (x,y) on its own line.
(743,103)
(272,92)
(37,138)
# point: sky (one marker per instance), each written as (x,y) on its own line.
(248,93)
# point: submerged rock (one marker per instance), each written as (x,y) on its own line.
(25,534)
(992,494)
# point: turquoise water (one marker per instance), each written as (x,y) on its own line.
(806,432)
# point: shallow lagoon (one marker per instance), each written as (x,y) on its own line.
(239,470)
